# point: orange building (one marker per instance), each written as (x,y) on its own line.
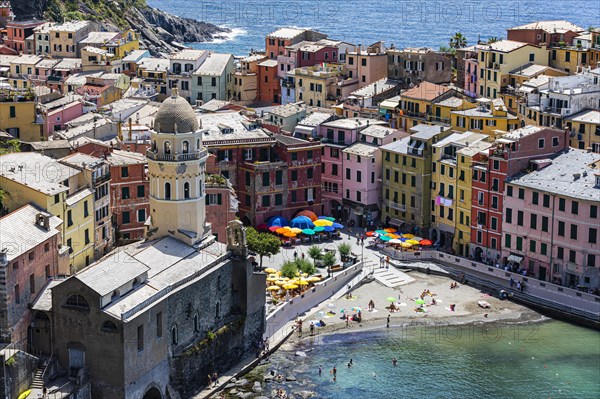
(269,90)
(18,31)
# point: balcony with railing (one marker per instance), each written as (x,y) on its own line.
(395,205)
(176,157)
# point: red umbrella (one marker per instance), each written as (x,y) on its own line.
(370,233)
(262,227)
(425,243)
(274,228)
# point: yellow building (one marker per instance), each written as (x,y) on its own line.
(22,69)
(571,58)
(406,179)
(60,190)
(585,129)
(487,117)
(442,109)
(245,78)
(19,118)
(464,162)
(154,72)
(444,184)
(416,103)
(323,85)
(65,38)
(497,60)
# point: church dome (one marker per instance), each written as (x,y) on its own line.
(176,115)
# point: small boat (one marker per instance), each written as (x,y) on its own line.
(484,304)
(25,394)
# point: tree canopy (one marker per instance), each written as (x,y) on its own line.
(263,244)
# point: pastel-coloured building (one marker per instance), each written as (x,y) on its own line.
(366,65)
(268,82)
(18,31)
(362,183)
(59,112)
(551,220)
(221,204)
(277,41)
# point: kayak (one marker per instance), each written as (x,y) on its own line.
(24,394)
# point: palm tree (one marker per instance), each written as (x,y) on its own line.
(493,39)
(315,253)
(458,40)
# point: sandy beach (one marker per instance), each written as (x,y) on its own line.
(465,299)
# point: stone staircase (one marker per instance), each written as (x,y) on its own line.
(391,277)
(38,377)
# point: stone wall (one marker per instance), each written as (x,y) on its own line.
(16,372)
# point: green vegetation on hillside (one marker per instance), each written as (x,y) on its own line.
(112,11)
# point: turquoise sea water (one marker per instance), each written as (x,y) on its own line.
(542,360)
(402,22)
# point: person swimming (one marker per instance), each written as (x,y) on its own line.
(395,361)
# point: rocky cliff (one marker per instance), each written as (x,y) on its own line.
(160,31)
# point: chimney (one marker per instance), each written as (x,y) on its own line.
(43,221)
(3,257)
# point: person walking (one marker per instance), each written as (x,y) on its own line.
(388,321)
(215,379)
(210,381)
(312,328)
(295,254)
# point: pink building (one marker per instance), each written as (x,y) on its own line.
(337,135)
(362,183)
(58,112)
(551,220)
(221,205)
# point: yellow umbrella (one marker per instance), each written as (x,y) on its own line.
(280,282)
(289,234)
(408,235)
(270,270)
(313,279)
(271,279)
(304,274)
(282,230)
(302,282)
(323,222)
(290,286)
(412,242)
(405,244)
(296,230)
(273,288)
(390,230)
(392,236)
(273,275)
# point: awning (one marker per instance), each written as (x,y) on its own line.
(4,69)
(358,211)
(515,258)
(387,104)
(304,130)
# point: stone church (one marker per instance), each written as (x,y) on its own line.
(152,319)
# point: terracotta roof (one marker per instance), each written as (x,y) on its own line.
(425,91)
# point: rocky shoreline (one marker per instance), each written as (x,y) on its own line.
(160,32)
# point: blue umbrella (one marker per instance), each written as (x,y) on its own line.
(385,238)
(381,232)
(329,229)
(277,221)
(308,232)
(337,226)
(302,222)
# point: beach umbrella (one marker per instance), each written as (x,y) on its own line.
(296,230)
(393,236)
(302,222)
(313,279)
(412,242)
(370,233)
(289,234)
(304,275)
(280,282)
(273,229)
(328,229)
(390,299)
(271,279)
(282,230)
(420,302)
(356,309)
(425,243)
(270,270)
(331,219)
(390,230)
(273,288)
(408,235)
(323,222)
(405,245)
(338,226)
(417,238)
(277,221)
(342,310)
(381,232)
(302,282)
(290,286)
(385,238)
(318,229)
(309,214)
(395,241)
(308,232)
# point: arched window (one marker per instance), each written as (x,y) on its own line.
(154,148)
(76,301)
(174,335)
(109,326)
(196,328)
(186,190)
(167,147)
(168,190)
(185,147)
(217,310)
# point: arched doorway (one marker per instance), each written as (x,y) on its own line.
(152,393)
